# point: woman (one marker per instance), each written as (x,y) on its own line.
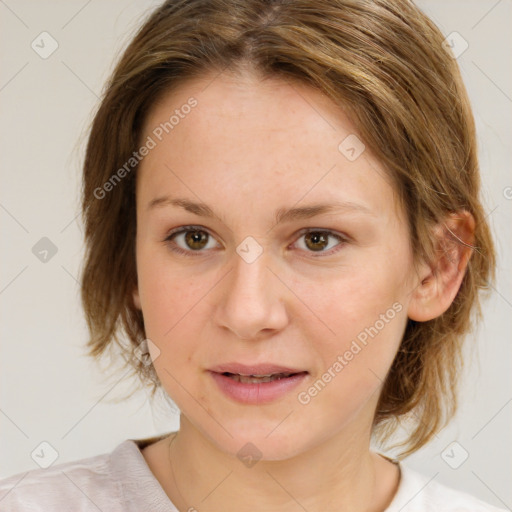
(281,202)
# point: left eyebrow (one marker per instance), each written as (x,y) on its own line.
(307,212)
(281,215)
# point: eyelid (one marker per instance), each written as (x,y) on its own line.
(342,238)
(186,228)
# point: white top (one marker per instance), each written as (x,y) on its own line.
(122,482)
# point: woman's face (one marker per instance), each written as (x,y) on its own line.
(226,288)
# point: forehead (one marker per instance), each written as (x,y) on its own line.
(259,139)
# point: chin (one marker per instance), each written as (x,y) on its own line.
(261,440)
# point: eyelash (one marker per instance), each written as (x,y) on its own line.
(184,229)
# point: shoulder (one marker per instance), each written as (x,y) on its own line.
(85,484)
(419,493)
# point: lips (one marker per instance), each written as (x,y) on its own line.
(256,384)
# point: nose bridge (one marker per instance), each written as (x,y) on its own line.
(249,277)
(251,301)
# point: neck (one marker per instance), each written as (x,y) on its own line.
(339,474)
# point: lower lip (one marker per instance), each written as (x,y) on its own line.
(258,393)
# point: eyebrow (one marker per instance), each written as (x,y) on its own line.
(281,215)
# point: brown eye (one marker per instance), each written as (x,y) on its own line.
(190,240)
(321,242)
(196,239)
(316,240)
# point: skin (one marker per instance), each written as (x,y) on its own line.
(248,148)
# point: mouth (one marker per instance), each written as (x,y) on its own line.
(256,370)
(259,379)
(256,384)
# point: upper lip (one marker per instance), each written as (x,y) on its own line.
(253,369)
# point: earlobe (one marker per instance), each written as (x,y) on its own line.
(438,283)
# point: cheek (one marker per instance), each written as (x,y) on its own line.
(352,364)
(172,304)
(349,301)
(168,295)
(359,316)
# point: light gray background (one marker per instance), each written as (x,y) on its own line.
(49,390)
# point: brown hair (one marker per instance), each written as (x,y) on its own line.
(383,61)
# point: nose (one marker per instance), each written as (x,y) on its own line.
(252,299)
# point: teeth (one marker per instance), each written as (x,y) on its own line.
(256,379)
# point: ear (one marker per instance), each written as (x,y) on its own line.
(440,281)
